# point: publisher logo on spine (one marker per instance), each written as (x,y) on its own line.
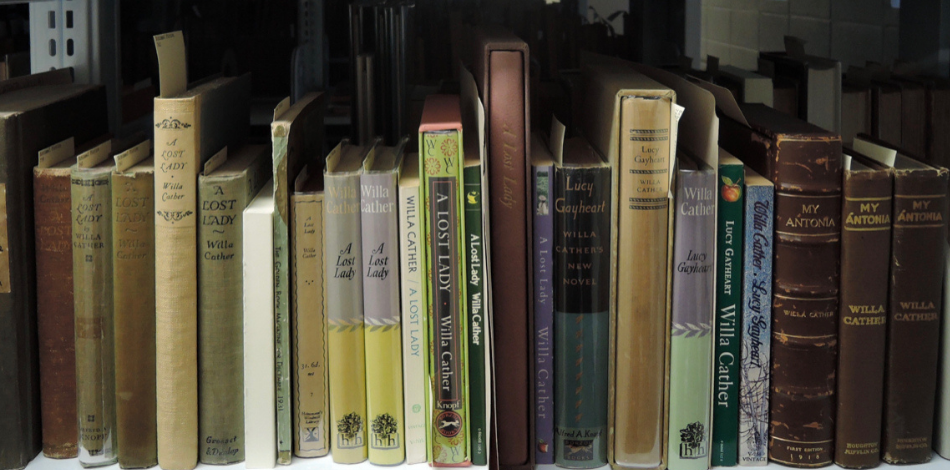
(349,431)
(693,441)
(579,449)
(385,433)
(448,423)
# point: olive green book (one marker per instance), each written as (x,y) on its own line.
(91,195)
(226,186)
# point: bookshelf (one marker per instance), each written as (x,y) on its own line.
(326,463)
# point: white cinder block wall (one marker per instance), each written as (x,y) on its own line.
(853,31)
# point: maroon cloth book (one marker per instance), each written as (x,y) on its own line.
(501,71)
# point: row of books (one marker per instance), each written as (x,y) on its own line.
(896,104)
(697,282)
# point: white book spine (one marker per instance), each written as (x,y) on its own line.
(260,400)
(413,324)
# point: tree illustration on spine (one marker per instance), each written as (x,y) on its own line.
(350,425)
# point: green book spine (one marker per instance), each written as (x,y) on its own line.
(440,161)
(222,198)
(475,295)
(91,194)
(282,190)
(725,435)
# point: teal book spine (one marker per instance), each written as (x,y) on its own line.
(725,432)
(581,318)
(475,273)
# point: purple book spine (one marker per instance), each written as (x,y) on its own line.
(543,314)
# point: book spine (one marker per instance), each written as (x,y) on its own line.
(415,351)
(473,252)
(543,314)
(347,369)
(581,316)
(862,321)
(641,332)
(176,287)
(311,397)
(220,318)
(756,323)
(133,244)
(260,415)
(283,188)
(91,196)
(54,313)
(807,178)
(506,106)
(920,227)
(691,336)
(383,335)
(729,246)
(440,161)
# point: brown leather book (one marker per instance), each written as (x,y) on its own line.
(54,309)
(804,162)
(916,287)
(862,325)
(501,72)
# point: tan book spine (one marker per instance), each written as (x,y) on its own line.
(311,397)
(133,244)
(54,311)
(92,291)
(641,324)
(176,285)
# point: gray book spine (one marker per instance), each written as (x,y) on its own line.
(381,313)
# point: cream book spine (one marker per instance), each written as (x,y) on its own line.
(414,351)
(260,400)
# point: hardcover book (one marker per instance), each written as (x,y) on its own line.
(729,265)
(440,159)
(628,120)
(542,170)
(804,163)
(693,305)
(91,196)
(190,126)
(501,69)
(260,396)
(297,139)
(36,112)
(311,397)
(54,309)
(224,191)
(581,304)
(383,334)
(862,323)
(756,320)
(345,337)
(133,274)
(914,303)
(415,345)
(477,277)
